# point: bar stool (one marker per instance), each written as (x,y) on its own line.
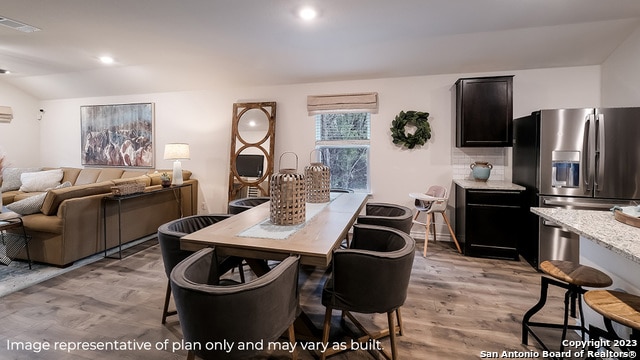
(567,275)
(618,306)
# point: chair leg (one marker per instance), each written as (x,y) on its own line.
(427,227)
(241,271)
(392,335)
(167,298)
(433,226)
(446,219)
(326,327)
(292,340)
(399,319)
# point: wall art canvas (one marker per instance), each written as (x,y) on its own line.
(117,135)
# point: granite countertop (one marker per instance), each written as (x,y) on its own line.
(598,226)
(488,185)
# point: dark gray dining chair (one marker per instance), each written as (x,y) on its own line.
(259,310)
(239,205)
(169,235)
(372,276)
(391,215)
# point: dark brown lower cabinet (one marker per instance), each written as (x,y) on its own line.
(489,222)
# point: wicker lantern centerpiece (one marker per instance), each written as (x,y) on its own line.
(288,196)
(318,179)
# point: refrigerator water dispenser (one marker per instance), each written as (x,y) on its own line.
(565,169)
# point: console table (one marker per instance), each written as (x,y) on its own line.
(12,242)
(119,199)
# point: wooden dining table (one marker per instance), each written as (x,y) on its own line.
(251,234)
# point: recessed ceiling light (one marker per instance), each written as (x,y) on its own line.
(307,13)
(17,25)
(106,59)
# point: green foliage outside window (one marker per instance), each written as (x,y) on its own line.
(343,142)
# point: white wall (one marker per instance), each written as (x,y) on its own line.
(20,139)
(203,119)
(397,171)
(620,75)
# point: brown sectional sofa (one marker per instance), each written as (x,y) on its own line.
(70,224)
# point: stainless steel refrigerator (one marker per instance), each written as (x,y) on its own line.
(574,158)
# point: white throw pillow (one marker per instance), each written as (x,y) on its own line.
(11,178)
(32,204)
(41,180)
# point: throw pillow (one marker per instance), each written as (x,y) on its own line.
(41,180)
(11,178)
(32,204)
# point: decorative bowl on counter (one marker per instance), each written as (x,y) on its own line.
(481,170)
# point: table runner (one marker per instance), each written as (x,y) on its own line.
(268,230)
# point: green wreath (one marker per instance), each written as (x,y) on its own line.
(419,120)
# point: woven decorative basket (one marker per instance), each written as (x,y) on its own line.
(288,196)
(127,189)
(318,182)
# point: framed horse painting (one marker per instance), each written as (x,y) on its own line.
(117,135)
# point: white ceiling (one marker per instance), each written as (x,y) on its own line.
(174,45)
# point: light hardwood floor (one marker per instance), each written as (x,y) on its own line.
(457,307)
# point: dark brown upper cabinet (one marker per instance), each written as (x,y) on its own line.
(484,111)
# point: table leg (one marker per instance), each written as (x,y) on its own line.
(258,266)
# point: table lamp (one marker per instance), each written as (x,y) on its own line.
(177,152)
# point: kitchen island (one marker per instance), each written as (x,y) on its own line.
(599,227)
(605,244)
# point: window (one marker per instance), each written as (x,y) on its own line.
(343,142)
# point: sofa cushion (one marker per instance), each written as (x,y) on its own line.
(109,174)
(9,196)
(32,204)
(11,178)
(40,180)
(87,176)
(19,195)
(54,198)
(70,174)
(133,173)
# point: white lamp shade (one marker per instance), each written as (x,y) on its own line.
(175,151)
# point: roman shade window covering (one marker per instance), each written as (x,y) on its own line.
(6,114)
(343,103)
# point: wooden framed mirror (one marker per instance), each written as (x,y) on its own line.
(252,145)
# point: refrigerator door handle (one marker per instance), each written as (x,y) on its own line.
(599,153)
(586,154)
(594,205)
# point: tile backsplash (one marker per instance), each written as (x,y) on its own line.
(463,157)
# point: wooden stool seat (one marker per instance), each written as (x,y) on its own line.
(621,307)
(617,306)
(575,274)
(572,277)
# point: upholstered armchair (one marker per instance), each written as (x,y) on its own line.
(240,205)
(391,215)
(261,309)
(169,235)
(372,276)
